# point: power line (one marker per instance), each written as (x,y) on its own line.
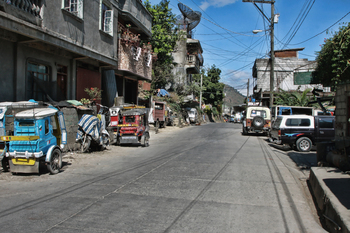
(301,22)
(323,30)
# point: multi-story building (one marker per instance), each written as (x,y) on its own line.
(56,49)
(188,59)
(290,74)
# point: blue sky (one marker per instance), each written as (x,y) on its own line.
(225,32)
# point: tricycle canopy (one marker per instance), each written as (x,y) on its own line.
(36,113)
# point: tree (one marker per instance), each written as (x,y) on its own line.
(164,38)
(294,98)
(334,59)
(213,90)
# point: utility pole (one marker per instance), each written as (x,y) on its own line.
(272,26)
(272,71)
(200,95)
(248,92)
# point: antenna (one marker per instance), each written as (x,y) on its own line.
(189,19)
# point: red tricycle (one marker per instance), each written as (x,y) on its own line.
(134,127)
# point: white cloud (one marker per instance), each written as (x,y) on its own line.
(216,3)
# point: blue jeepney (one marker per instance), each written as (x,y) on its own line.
(39,137)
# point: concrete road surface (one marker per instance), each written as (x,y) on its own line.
(205,178)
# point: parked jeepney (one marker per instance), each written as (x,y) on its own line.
(7,111)
(134,127)
(39,137)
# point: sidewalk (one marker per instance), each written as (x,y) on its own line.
(331,190)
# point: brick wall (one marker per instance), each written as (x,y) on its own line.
(127,62)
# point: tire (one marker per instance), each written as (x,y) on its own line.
(145,140)
(304,144)
(55,163)
(157,126)
(85,144)
(105,142)
(258,122)
(5,164)
(244,130)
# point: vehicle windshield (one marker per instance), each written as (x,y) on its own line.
(277,123)
(26,123)
(130,119)
(261,113)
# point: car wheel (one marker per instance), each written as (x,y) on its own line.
(5,164)
(258,122)
(304,144)
(244,130)
(157,126)
(55,162)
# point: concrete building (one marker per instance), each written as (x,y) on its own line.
(290,73)
(188,58)
(56,49)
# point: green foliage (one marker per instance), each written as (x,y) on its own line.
(295,98)
(213,90)
(164,38)
(334,59)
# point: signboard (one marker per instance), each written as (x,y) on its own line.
(303,78)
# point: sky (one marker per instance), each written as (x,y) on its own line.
(225,32)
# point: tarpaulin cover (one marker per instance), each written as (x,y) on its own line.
(90,125)
(163,92)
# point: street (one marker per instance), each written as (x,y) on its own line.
(206,178)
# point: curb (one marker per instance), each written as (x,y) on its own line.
(329,186)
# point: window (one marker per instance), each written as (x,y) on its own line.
(261,113)
(47,129)
(298,122)
(62,81)
(37,78)
(326,123)
(73,6)
(277,123)
(106,18)
(129,119)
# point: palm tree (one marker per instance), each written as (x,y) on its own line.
(294,98)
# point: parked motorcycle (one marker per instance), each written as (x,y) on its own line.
(92,130)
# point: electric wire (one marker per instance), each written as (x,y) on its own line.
(323,30)
(301,22)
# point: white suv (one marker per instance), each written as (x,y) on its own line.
(256,119)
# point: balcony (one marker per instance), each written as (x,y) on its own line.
(192,64)
(27,10)
(134,61)
(134,12)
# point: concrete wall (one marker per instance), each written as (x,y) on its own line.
(25,54)
(284,73)
(71,120)
(179,56)
(341,113)
(7,63)
(83,32)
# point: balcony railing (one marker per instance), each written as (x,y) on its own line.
(31,6)
(137,11)
(193,62)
